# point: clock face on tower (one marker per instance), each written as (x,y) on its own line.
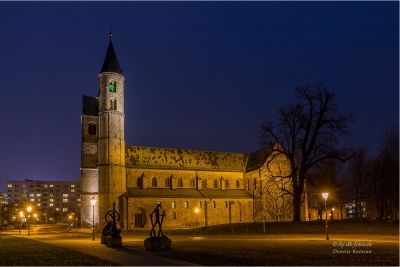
(112,87)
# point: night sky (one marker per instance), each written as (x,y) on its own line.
(198,75)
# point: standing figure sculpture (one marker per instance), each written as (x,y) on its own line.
(155,241)
(156,211)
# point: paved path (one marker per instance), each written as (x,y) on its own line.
(127,255)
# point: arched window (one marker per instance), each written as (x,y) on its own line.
(173,205)
(167,184)
(215,184)
(174,215)
(92,129)
(255,183)
(225,204)
(200,204)
(186,205)
(226,184)
(139,182)
(204,183)
(154,182)
(214,205)
(191,182)
(237,184)
(111,104)
(180,183)
(115,104)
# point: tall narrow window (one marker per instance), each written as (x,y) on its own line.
(115,104)
(167,184)
(186,205)
(174,215)
(204,183)
(173,205)
(237,184)
(139,182)
(180,183)
(154,182)
(191,182)
(226,184)
(200,205)
(215,184)
(92,129)
(214,205)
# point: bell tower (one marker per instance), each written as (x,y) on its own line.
(111,140)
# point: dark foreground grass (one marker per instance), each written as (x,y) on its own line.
(280,253)
(15,251)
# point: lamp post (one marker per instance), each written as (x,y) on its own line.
(29,209)
(21,214)
(93,201)
(333,209)
(35,215)
(325,196)
(197,213)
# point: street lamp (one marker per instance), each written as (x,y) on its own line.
(21,214)
(29,209)
(35,215)
(197,213)
(93,201)
(325,196)
(333,209)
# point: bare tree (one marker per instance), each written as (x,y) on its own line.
(359,177)
(307,132)
(385,179)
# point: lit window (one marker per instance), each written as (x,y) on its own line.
(38,195)
(32,199)
(57,209)
(186,204)
(65,199)
(51,204)
(200,204)
(51,200)
(51,195)
(51,185)
(65,195)
(65,209)
(173,205)
(72,185)
(9,185)
(31,195)
(38,204)
(214,205)
(72,190)
(45,185)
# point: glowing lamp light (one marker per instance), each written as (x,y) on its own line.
(93,201)
(325,196)
(29,209)
(196,210)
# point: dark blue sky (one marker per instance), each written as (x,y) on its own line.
(198,75)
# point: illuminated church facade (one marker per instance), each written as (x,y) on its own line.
(194,187)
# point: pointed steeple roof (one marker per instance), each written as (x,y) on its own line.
(111,62)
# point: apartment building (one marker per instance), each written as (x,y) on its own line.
(50,200)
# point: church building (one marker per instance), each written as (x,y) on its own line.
(194,188)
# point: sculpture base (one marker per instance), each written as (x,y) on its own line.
(157,243)
(114,241)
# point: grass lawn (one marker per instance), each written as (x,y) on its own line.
(312,227)
(15,251)
(279,253)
